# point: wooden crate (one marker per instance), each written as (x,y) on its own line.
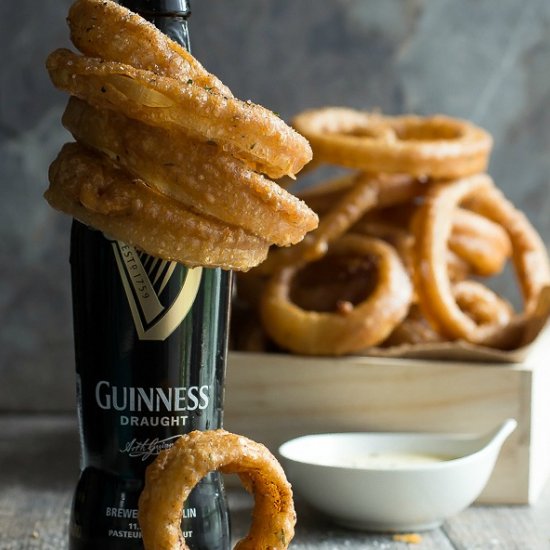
(273,398)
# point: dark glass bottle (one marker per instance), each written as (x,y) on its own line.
(150,346)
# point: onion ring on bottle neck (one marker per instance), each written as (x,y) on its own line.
(108,30)
(89,187)
(196,174)
(248,131)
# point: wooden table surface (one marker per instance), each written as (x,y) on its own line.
(39,466)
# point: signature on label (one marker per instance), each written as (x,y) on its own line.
(148,448)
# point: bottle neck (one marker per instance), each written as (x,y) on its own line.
(166,8)
(169,16)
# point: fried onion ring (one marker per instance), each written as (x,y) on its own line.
(403,241)
(476,240)
(432,229)
(415,330)
(481,304)
(351,328)
(436,146)
(399,238)
(108,30)
(482,243)
(175,166)
(365,193)
(89,187)
(177,470)
(248,131)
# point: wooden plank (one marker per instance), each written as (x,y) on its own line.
(33,519)
(505,528)
(539,458)
(316,533)
(38,469)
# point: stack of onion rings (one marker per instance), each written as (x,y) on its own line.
(419,186)
(177,470)
(167,159)
(177,133)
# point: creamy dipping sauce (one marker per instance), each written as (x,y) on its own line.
(385,461)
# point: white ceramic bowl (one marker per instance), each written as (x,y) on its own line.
(356,478)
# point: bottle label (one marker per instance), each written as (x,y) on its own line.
(156,314)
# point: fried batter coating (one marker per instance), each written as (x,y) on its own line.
(364,194)
(436,146)
(91,188)
(350,328)
(167,130)
(177,470)
(432,229)
(482,243)
(196,174)
(248,131)
(107,30)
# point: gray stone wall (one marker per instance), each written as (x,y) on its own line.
(486,60)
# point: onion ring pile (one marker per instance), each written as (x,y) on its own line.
(159,121)
(432,228)
(177,470)
(419,187)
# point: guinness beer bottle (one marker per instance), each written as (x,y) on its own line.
(150,346)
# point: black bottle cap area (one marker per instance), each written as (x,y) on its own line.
(180,8)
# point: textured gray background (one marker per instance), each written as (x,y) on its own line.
(486,60)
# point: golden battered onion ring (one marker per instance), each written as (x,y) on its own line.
(177,470)
(481,304)
(89,187)
(432,230)
(403,241)
(321,197)
(110,31)
(196,174)
(247,131)
(415,330)
(352,328)
(436,146)
(365,193)
(482,243)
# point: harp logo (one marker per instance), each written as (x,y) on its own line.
(157,310)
